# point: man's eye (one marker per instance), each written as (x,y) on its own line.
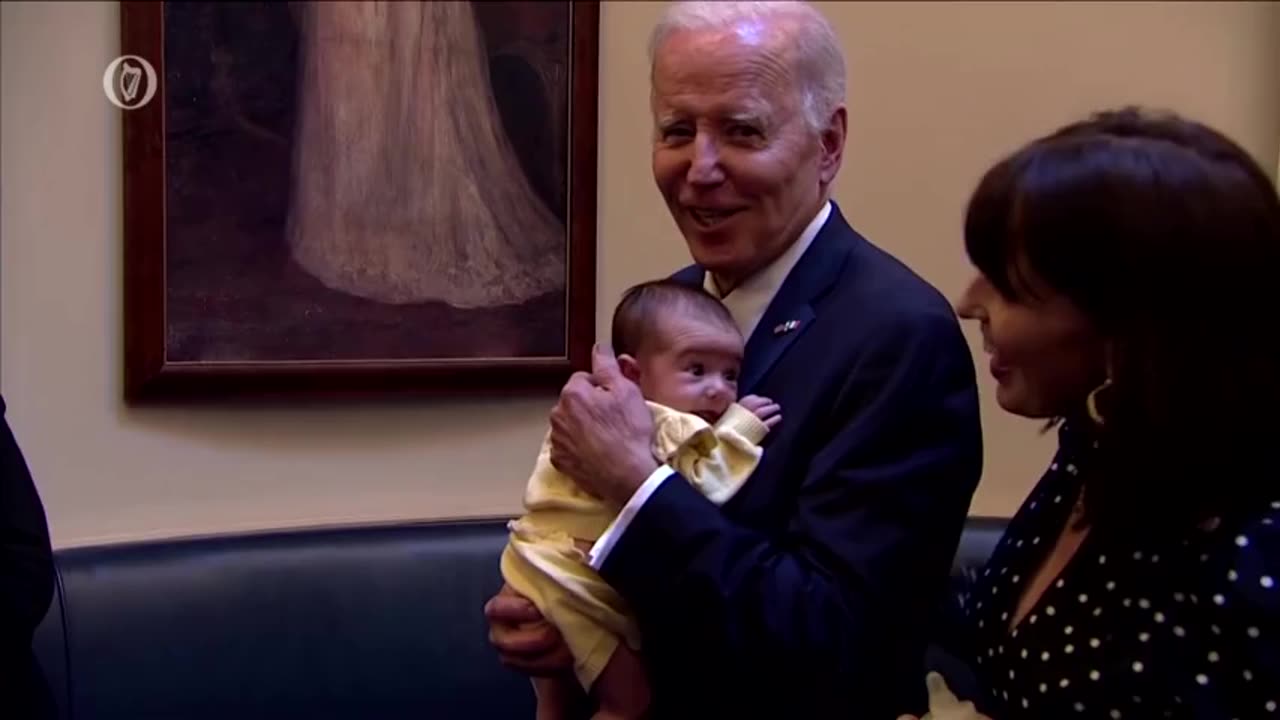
(744,131)
(675,132)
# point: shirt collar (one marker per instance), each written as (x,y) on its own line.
(749,300)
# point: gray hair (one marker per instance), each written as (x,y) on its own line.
(816,55)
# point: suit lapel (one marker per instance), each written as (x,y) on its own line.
(792,310)
(692,275)
(770,340)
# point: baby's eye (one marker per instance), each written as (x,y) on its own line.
(697,369)
(731,376)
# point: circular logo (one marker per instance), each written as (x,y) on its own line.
(129,82)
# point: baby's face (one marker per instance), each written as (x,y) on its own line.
(692,366)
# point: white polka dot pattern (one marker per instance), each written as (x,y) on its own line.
(1188,629)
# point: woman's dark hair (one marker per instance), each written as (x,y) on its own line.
(1165,234)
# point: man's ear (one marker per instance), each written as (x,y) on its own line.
(630,368)
(833,139)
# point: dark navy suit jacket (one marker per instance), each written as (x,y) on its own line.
(809,593)
(26,583)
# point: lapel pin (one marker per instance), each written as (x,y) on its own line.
(786,327)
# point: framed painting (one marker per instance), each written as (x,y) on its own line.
(367,197)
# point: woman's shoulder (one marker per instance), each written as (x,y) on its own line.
(1231,567)
(1226,644)
(1199,615)
(1246,556)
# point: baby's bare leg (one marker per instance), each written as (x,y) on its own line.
(557,696)
(622,689)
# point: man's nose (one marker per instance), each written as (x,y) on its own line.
(704,168)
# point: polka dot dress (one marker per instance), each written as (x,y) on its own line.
(1188,628)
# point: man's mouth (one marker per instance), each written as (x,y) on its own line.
(710,217)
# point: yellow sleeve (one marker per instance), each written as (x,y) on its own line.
(717,460)
(742,421)
(554,503)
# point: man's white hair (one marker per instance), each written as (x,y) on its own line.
(814,48)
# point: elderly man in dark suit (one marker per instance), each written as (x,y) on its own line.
(808,594)
(26,582)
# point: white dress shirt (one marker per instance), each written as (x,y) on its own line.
(747,304)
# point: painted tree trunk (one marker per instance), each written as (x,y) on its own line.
(405,187)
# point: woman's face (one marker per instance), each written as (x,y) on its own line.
(1045,355)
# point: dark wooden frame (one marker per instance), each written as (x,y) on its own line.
(150,377)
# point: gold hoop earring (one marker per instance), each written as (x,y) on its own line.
(1091,402)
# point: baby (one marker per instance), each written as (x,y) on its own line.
(682,348)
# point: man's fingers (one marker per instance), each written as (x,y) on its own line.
(524,641)
(604,365)
(557,661)
(557,458)
(511,609)
(578,382)
(533,647)
(561,458)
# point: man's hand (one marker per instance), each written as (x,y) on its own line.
(769,412)
(601,431)
(525,641)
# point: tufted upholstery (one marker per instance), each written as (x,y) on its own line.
(359,622)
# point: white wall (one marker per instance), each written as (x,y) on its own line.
(938,91)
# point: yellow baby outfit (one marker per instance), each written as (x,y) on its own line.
(542,563)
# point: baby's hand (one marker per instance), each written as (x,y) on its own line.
(944,705)
(769,412)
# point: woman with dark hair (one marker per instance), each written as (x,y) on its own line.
(1127,295)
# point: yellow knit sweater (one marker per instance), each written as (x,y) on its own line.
(542,562)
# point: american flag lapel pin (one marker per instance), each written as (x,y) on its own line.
(786,327)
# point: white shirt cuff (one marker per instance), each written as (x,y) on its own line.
(603,546)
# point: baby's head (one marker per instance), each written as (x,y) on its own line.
(680,345)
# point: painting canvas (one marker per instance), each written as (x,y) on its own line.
(360,196)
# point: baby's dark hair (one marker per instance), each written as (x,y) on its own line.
(637,314)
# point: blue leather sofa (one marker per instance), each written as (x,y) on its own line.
(354,622)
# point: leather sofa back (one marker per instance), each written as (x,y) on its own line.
(365,622)
(976,544)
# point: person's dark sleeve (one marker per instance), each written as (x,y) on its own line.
(841,599)
(26,556)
